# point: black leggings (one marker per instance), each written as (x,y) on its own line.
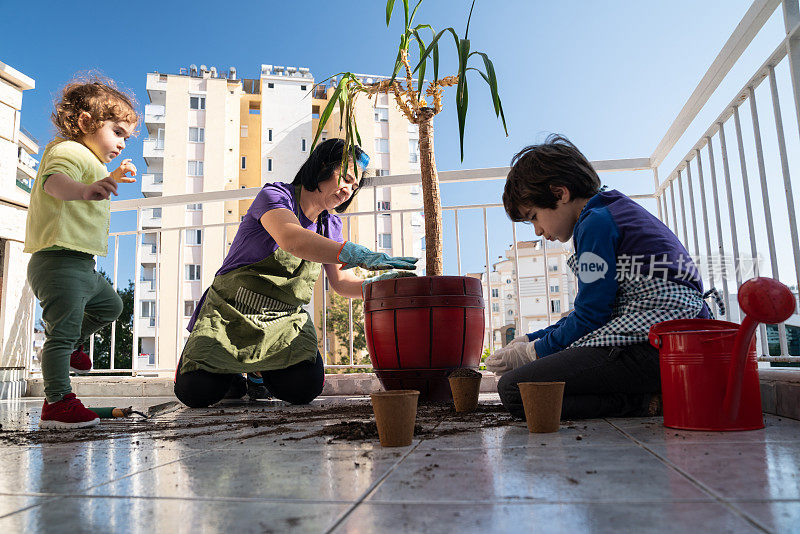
(599,381)
(298,384)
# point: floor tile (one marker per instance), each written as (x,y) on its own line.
(130,515)
(745,471)
(325,475)
(572,433)
(68,468)
(778,516)
(546,474)
(13,503)
(679,518)
(652,430)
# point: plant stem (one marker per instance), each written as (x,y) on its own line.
(432,202)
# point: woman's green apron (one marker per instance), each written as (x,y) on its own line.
(252,317)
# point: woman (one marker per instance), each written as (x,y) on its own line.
(251,319)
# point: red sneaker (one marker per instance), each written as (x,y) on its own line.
(69,412)
(79,361)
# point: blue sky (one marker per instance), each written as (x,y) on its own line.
(610,75)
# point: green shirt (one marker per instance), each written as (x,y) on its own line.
(80,225)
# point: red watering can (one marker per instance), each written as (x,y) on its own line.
(709,376)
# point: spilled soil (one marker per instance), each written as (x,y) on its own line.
(345,422)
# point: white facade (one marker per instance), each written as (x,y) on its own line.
(286,134)
(16,176)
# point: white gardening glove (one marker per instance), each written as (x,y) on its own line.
(510,357)
(519,339)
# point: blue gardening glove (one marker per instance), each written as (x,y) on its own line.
(352,255)
(386,276)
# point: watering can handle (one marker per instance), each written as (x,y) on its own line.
(655,339)
(733,389)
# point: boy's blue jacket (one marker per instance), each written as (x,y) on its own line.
(613,236)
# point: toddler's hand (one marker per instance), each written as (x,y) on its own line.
(120,173)
(101,189)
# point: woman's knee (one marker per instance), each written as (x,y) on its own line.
(201,389)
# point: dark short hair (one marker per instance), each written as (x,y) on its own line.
(536,169)
(326,158)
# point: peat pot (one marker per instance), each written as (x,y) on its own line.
(420,329)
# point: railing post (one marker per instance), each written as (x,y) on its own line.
(518,320)
(762,330)
(731,214)
(717,218)
(787,180)
(488,280)
(458,245)
(762,173)
(683,212)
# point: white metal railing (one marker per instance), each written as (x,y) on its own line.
(712,242)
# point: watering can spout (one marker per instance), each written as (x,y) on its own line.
(763,300)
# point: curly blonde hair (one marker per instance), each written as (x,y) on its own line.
(97,96)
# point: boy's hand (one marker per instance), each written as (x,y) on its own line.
(120,173)
(101,189)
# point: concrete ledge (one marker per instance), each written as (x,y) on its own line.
(139,386)
(780,392)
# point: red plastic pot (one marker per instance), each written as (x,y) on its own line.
(420,329)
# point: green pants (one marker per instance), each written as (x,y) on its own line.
(76,302)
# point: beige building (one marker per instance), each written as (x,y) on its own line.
(547,289)
(210,131)
(17,171)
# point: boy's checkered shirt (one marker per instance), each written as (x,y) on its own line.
(642,302)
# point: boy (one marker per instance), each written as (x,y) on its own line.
(632,272)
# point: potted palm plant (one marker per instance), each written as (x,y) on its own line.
(420,329)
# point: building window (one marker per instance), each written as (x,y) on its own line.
(553,267)
(269,164)
(269,135)
(385,240)
(195,168)
(194,207)
(194,237)
(413,150)
(382,146)
(495,307)
(188,307)
(148,308)
(156,213)
(555,306)
(197,102)
(384,205)
(382,172)
(192,273)
(509,296)
(422,243)
(381,114)
(270,85)
(496,293)
(302,87)
(255,108)
(243,132)
(314,112)
(553,289)
(510,313)
(303,145)
(244,162)
(197,135)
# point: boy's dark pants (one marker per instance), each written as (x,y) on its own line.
(76,302)
(600,381)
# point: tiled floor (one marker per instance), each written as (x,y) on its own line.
(259,468)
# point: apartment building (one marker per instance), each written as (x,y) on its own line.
(211,131)
(547,289)
(17,171)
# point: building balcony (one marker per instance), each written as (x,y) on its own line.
(154,114)
(147,326)
(152,184)
(152,150)
(156,83)
(148,253)
(151,218)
